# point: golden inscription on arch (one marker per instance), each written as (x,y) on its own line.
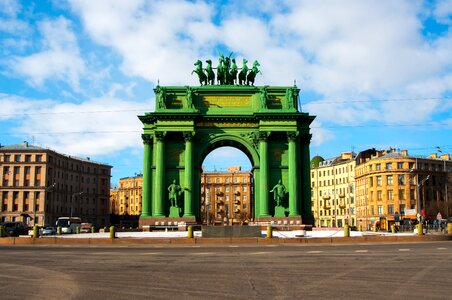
(226,124)
(226,101)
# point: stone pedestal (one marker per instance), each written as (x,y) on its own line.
(280,211)
(174,212)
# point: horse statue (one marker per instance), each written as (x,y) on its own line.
(210,73)
(233,72)
(201,75)
(220,71)
(252,74)
(243,72)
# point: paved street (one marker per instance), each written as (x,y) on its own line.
(284,271)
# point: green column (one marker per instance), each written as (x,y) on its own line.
(294,209)
(147,176)
(306,210)
(159,196)
(189,165)
(263,192)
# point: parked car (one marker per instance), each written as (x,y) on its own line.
(15,228)
(48,231)
(85,227)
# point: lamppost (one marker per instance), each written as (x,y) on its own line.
(446,178)
(49,188)
(72,199)
(418,194)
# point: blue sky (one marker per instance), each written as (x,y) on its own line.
(75,74)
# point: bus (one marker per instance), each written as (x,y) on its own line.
(68,224)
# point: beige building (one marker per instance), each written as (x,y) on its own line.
(129,196)
(226,196)
(332,191)
(391,183)
(39,185)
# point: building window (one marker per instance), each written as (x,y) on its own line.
(226,189)
(6,158)
(379,181)
(244,180)
(402,208)
(388,166)
(379,195)
(390,209)
(245,188)
(400,165)
(38,158)
(390,195)
(389,180)
(244,199)
(378,167)
(217,180)
(235,180)
(227,179)
(380,209)
(371,181)
(17,158)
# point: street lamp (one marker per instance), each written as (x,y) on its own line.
(49,188)
(72,199)
(418,194)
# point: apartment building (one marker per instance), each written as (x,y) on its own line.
(393,185)
(332,190)
(226,196)
(38,185)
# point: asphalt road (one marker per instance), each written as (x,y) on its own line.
(284,271)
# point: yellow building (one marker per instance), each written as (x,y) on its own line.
(129,196)
(332,191)
(226,196)
(39,185)
(391,183)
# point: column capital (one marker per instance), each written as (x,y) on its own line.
(263,135)
(160,135)
(147,138)
(292,136)
(188,135)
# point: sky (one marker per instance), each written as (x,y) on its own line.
(75,74)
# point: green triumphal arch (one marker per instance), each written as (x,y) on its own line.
(189,122)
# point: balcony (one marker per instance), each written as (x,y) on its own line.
(327,197)
(326,207)
(341,195)
(342,205)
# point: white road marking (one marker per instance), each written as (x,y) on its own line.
(441,248)
(361,251)
(203,253)
(259,253)
(313,252)
(404,249)
(271,245)
(233,246)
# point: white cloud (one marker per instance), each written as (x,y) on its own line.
(59,59)
(443,11)
(156,39)
(99,126)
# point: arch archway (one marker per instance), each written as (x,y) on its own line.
(260,121)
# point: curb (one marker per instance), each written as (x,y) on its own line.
(219,241)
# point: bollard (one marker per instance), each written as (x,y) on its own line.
(360,227)
(190,232)
(112,232)
(35,231)
(77,230)
(59,230)
(419,229)
(269,232)
(393,229)
(2,231)
(449,228)
(346,231)
(93,229)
